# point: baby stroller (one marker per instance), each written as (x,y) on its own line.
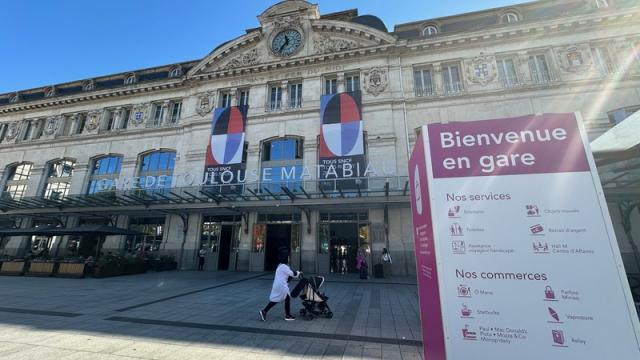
(314,302)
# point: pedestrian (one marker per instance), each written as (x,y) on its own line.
(280,288)
(386,260)
(201,255)
(361,264)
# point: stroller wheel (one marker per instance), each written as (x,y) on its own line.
(329,314)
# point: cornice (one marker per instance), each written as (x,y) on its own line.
(517,31)
(92,96)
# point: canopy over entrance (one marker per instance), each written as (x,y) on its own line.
(101,230)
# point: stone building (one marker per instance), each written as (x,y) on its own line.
(129,149)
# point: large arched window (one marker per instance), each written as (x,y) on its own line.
(104,172)
(281,163)
(156,169)
(16,181)
(58,180)
(430,30)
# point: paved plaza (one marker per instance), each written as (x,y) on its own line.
(202,315)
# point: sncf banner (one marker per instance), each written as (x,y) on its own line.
(226,145)
(341,154)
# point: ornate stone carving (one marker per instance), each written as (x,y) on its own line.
(93,120)
(12,130)
(205,104)
(324,45)
(51,125)
(246,59)
(286,22)
(481,70)
(376,81)
(88,85)
(138,114)
(574,58)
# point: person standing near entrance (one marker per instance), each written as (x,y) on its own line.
(201,255)
(385,258)
(280,288)
(361,264)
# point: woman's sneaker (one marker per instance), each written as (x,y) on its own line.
(263,315)
(289,318)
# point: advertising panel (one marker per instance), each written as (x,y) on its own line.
(528,263)
(341,153)
(225,150)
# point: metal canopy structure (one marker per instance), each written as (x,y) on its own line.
(101,230)
(369,192)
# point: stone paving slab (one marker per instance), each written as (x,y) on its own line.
(35,320)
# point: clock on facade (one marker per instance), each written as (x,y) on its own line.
(286,42)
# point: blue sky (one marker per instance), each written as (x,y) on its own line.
(47,42)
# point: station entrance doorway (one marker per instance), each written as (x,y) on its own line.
(219,237)
(272,234)
(340,237)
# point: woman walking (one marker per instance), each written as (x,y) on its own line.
(361,264)
(280,288)
(386,262)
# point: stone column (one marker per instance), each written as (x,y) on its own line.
(3,129)
(285,95)
(234,96)
(340,83)
(524,73)
(437,79)
(117,118)
(165,113)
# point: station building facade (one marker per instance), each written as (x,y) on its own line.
(297,133)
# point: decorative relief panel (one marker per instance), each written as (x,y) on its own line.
(574,58)
(246,59)
(12,131)
(481,70)
(138,115)
(205,104)
(376,80)
(325,44)
(51,126)
(93,121)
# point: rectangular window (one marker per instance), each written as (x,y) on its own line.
(275,98)
(158,114)
(81,120)
(126,113)
(176,109)
(28,131)
(3,131)
(330,86)
(423,82)
(295,95)
(507,73)
(225,99)
(539,69)
(451,80)
(111,119)
(602,60)
(352,82)
(243,97)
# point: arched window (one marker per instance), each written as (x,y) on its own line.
(156,169)
(510,18)
(104,172)
(130,79)
(430,30)
(175,72)
(58,181)
(16,181)
(281,164)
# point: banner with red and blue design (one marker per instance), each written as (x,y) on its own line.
(226,146)
(341,153)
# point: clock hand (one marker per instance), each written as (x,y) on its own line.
(286,42)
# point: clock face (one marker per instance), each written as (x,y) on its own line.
(286,42)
